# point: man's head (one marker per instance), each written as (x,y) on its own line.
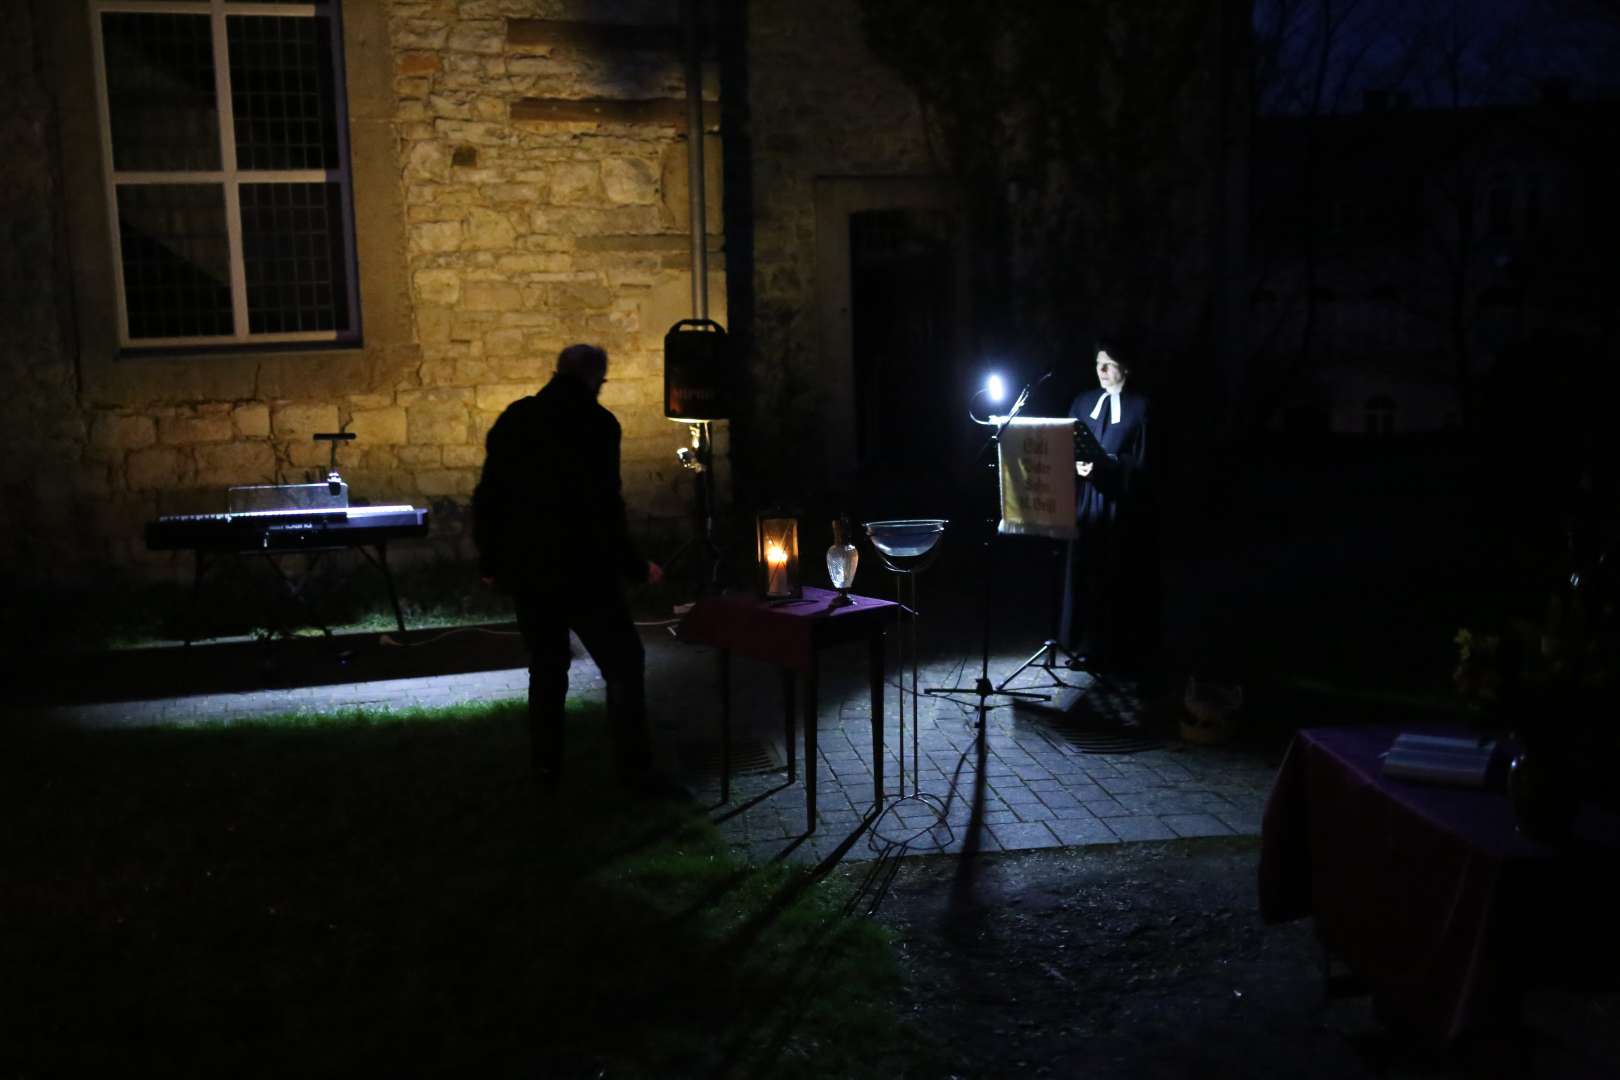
(586,364)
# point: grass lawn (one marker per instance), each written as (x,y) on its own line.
(243,598)
(377,893)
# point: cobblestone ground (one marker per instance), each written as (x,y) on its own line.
(1037,782)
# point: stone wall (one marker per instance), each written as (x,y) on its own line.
(820,105)
(520,179)
(521,183)
(546,201)
(46,466)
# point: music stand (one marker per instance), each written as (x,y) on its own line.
(1037,502)
(1045,656)
(982,687)
(1086,448)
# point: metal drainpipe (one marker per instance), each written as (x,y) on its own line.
(694,161)
(707,563)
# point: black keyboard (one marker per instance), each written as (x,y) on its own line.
(285,530)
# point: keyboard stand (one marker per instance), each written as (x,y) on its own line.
(380,561)
(294,587)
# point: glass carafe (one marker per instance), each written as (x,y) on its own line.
(842,558)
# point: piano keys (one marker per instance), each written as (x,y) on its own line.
(286,530)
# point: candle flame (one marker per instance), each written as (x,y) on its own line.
(775,555)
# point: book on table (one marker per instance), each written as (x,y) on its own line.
(1463,761)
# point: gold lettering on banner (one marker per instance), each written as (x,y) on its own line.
(1037,484)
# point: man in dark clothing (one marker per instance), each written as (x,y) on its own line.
(549,523)
(1111,595)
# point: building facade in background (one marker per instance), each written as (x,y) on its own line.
(1431,210)
(1407,262)
(232,225)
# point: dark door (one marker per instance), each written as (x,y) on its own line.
(903,317)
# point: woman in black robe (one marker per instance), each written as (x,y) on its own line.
(1110,602)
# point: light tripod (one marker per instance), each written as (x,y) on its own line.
(982,686)
(697,457)
(1046,656)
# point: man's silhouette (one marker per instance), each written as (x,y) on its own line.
(549,523)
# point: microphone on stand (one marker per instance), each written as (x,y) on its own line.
(1032,384)
(1030,387)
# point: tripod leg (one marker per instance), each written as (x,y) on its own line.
(198,568)
(812,709)
(1034,659)
(1052,647)
(380,561)
(874,661)
(907,636)
(789,689)
(916,701)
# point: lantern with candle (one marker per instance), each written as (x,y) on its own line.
(776,537)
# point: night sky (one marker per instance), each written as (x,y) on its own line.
(1439,53)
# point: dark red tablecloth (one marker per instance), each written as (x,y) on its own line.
(785,632)
(1430,893)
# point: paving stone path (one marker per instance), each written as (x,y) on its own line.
(1035,782)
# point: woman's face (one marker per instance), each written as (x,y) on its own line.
(1109,374)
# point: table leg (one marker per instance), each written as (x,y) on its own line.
(874,667)
(788,716)
(725,725)
(811,714)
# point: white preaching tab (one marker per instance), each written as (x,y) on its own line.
(1037,477)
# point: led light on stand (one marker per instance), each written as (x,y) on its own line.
(995,388)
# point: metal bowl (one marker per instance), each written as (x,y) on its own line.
(906,545)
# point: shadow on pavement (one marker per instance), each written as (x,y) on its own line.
(235,666)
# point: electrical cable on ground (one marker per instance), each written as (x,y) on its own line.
(936,835)
(389,639)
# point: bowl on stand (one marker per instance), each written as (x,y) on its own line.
(906,546)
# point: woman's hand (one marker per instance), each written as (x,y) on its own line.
(1083,468)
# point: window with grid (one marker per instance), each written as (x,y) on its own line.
(226,156)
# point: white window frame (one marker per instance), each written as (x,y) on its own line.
(228,175)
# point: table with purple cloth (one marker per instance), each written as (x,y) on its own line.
(791,635)
(1430,894)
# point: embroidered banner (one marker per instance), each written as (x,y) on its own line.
(1037,477)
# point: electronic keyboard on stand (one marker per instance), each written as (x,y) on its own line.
(291,529)
(272,520)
